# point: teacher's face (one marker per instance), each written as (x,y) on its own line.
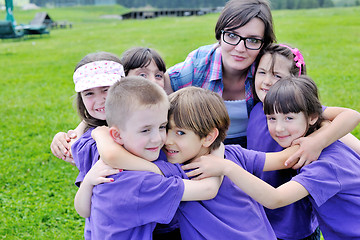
(238,57)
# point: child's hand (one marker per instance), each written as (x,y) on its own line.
(100,131)
(308,152)
(205,166)
(60,146)
(99,172)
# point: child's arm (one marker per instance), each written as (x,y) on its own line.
(116,156)
(352,142)
(256,188)
(61,143)
(204,189)
(343,121)
(96,175)
(205,166)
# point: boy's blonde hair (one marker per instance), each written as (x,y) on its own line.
(129,94)
(200,111)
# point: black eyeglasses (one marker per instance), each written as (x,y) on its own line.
(234,39)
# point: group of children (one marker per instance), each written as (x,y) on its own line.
(230,185)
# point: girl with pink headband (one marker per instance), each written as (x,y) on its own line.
(295,221)
(331,184)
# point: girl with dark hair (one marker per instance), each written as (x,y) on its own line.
(331,183)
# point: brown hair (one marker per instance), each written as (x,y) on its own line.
(238,13)
(199,110)
(274,50)
(139,57)
(295,95)
(129,94)
(83,113)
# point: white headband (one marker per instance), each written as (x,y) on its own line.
(97,74)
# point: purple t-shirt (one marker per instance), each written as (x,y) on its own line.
(85,154)
(232,214)
(333,182)
(296,220)
(129,207)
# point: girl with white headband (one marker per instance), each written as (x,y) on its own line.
(94,72)
(138,61)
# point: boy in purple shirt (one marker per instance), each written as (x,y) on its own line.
(332,183)
(130,203)
(198,121)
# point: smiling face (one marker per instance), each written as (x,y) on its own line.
(183,145)
(94,101)
(285,128)
(239,58)
(269,71)
(144,132)
(150,72)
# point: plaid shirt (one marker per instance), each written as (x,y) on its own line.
(203,68)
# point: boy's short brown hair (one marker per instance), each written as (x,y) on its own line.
(200,111)
(129,94)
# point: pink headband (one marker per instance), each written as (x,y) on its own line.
(298,59)
(97,74)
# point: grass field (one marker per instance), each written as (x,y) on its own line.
(36,189)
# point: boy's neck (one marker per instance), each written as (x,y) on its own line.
(203,151)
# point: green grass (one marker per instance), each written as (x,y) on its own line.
(37,190)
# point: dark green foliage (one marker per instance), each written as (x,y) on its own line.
(300,4)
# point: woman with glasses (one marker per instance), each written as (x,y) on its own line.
(227,67)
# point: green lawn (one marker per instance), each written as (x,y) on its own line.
(37,190)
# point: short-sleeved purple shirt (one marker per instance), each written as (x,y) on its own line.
(85,154)
(232,214)
(129,207)
(333,182)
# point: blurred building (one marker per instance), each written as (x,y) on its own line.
(65,3)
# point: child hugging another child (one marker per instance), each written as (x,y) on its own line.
(332,182)
(130,203)
(93,76)
(198,122)
(295,221)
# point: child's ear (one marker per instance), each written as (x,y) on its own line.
(312,119)
(211,137)
(115,134)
